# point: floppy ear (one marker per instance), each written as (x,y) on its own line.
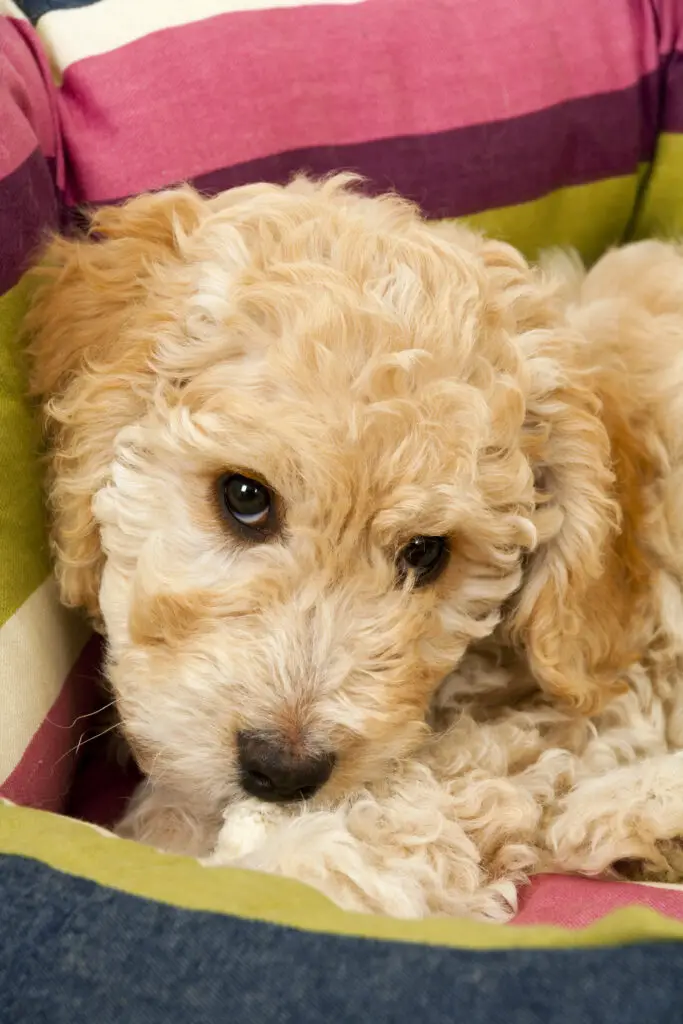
(573,612)
(96,314)
(576,613)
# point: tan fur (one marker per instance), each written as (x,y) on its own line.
(103,307)
(386,378)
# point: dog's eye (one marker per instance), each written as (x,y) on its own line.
(423,558)
(246,501)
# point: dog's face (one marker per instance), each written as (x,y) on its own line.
(312,483)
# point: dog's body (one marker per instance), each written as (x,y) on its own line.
(463,461)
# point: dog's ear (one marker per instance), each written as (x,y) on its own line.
(571,615)
(575,615)
(97,311)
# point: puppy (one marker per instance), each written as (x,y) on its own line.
(311,456)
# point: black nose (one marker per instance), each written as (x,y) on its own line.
(273,771)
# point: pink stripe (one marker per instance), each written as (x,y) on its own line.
(578,902)
(27,96)
(43,776)
(670,17)
(185,101)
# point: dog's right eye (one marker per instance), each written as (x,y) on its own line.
(248,503)
(423,558)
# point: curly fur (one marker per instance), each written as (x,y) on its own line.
(387,378)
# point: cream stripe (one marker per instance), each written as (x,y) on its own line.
(10,10)
(672,886)
(80,32)
(38,646)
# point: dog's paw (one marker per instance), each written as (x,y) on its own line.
(665,864)
(625,822)
(157,817)
(246,826)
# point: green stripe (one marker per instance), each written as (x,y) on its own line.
(661,209)
(80,850)
(589,218)
(24,562)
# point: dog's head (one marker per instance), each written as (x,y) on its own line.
(305,450)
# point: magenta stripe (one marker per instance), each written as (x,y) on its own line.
(43,776)
(27,96)
(239,87)
(579,902)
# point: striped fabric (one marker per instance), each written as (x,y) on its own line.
(98,928)
(40,694)
(581,907)
(542,125)
(554,132)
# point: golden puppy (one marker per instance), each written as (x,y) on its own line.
(310,454)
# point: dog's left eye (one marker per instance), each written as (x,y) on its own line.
(247,501)
(424,558)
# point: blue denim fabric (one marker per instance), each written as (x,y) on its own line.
(35,9)
(72,952)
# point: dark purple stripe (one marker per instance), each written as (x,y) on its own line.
(28,211)
(672,120)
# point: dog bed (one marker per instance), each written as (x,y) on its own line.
(540,128)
